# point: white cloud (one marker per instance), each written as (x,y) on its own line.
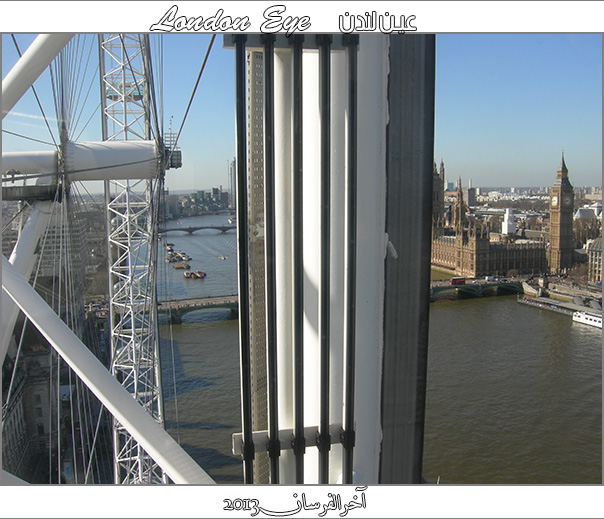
(30,116)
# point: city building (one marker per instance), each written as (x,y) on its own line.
(561,207)
(464,245)
(509,225)
(16,448)
(216,193)
(438,191)
(224,198)
(594,258)
(469,195)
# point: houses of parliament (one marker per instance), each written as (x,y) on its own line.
(467,246)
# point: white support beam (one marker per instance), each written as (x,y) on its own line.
(83,161)
(179,466)
(29,67)
(111,160)
(9,479)
(23,258)
(30,162)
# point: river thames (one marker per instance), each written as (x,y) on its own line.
(514,393)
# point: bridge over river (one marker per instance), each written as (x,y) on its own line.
(176,309)
(476,288)
(191,229)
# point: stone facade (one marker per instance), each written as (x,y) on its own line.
(465,247)
(594,255)
(470,253)
(438,191)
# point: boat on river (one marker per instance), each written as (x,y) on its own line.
(588,318)
(196,274)
(184,266)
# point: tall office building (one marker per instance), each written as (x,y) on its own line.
(233,183)
(255,180)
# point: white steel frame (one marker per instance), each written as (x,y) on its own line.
(131,236)
(135,418)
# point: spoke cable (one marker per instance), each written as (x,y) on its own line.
(37,98)
(78,102)
(205,59)
(28,138)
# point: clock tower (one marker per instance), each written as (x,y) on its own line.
(561,208)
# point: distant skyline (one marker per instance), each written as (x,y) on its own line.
(506,107)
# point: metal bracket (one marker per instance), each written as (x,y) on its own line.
(287,440)
(255,42)
(347,438)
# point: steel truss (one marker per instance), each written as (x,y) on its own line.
(132,237)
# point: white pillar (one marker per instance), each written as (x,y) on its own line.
(371,244)
(339,104)
(283,252)
(371,247)
(312,249)
(29,67)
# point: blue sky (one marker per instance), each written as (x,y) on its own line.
(506,106)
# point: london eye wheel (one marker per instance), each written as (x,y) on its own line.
(129,159)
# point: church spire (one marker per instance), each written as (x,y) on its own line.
(459,216)
(562,170)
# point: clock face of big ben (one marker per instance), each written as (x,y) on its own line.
(554,201)
(567,200)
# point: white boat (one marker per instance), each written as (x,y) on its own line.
(588,318)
